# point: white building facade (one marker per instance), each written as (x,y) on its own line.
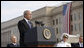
(51,16)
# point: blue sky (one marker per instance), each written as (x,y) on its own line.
(13,9)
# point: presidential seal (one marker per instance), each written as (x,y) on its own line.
(47,34)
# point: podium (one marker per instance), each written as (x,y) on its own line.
(40,37)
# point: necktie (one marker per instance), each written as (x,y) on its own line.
(29,23)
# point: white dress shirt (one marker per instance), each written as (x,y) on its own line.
(26,20)
(81,44)
(14,43)
(63,44)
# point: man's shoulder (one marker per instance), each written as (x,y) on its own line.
(8,45)
(18,45)
(59,43)
(74,43)
(21,21)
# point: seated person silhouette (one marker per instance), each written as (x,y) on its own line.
(14,42)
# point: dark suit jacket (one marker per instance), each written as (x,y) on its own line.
(75,45)
(23,27)
(12,45)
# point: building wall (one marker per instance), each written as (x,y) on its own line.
(77,21)
(6,34)
(51,16)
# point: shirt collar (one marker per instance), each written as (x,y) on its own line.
(25,19)
(14,43)
(80,43)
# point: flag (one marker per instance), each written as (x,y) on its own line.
(66,18)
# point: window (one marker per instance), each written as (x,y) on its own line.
(75,27)
(57,30)
(77,16)
(5,38)
(80,15)
(74,16)
(59,20)
(56,21)
(57,40)
(71,28)
(80,26)
(53,22)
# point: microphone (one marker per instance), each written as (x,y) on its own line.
(39,23)
(42,24)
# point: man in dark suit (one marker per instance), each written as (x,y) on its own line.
(79,44)
(14,42)
(24,25)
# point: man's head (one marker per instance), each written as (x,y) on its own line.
(65,37)
(13,39)
(27,14)
(81,39)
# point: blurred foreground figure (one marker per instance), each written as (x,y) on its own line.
(14,42)
(79,44)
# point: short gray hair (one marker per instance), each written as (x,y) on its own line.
(25,12)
